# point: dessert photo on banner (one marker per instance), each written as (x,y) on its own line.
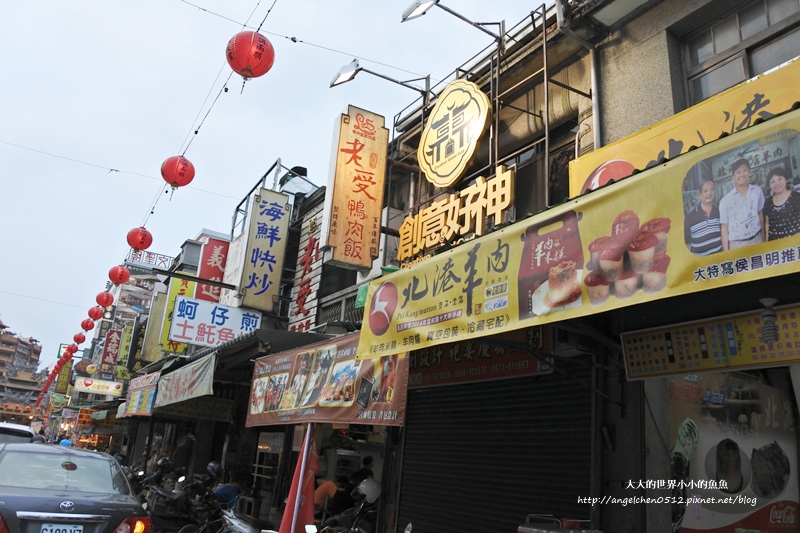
(744,196)
(632,257)
(551,266)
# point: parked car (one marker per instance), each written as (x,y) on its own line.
(55,489)
(15,432)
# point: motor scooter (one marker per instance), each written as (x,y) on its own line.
(362,517)
(217,516)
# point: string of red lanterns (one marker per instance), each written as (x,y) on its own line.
(250,55)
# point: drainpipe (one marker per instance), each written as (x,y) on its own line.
(595,69)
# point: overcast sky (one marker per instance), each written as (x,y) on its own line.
(93,85)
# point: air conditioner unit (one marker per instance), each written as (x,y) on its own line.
(387,255)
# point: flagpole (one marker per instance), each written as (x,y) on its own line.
(306,444)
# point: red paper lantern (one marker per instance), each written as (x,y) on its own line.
(119,275)
(87,324)
(67,357)
(250,54)
(5,406)
(177,171)
(79,338)
(38,409)
(140,239)
(27,408)
(17,407)
(96,313)
(72,348)
(104,299)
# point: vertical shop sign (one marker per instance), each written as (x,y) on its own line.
(62,381)
(354,225)
(303,309)
(177,287)
(266,244)
(213,258)
(110,353)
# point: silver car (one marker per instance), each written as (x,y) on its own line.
(56,489)
(15,432)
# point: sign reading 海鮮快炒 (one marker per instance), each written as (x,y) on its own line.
(451,134)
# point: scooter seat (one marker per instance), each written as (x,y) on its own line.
(256,522)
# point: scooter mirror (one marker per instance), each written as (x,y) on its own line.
(140,473)
(181,479)
(311,528)
(408,528)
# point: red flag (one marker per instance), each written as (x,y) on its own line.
(305,512)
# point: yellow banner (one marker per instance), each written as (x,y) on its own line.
(616,247)
(728,112)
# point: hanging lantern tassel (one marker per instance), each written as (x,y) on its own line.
(250,54)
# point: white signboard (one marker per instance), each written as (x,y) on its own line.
(194,380)
(210,324)
(98,386)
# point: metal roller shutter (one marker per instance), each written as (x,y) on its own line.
(482,456)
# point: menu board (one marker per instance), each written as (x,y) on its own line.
(732,342)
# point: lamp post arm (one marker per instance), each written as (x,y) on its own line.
(425,92)
(479,25)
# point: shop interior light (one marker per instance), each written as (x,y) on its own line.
(349,71)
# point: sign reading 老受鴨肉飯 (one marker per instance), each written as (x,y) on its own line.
(451,134)
(353,218)
(632,243)
(729,112)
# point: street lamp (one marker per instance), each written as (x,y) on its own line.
(420,7)
(349,71)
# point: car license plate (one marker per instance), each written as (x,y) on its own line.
(62,528)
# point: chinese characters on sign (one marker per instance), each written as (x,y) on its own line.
(450,137)
(210,324)
(589,255)
(153,260)
(729,112)
(266,244)
(726,343)
(303,309)
(110,352)
(458,214)
(177,287)
(354,224)
(212,267)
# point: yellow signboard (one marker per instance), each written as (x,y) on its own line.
(458,215)
(728,112)
(354,222)
(177,287)
(452,132)
(728,343)
(613,248)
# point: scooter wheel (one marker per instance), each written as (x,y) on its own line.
(189,528)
